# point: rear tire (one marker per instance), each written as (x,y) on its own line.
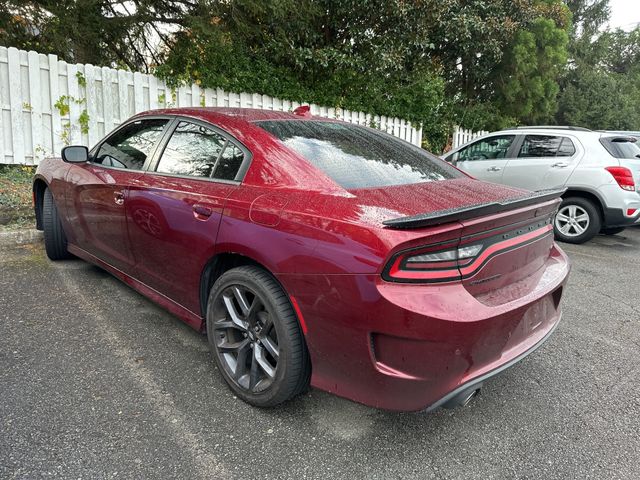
(255,337)
(577,221)
(55,240)
(613,230)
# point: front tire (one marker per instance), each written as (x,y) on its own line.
(55,240)
(577,221)
(255,337)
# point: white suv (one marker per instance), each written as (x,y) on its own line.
(601,172)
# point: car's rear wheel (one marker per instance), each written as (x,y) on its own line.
(255,337)
(55,240)
(613,230)
(577,221)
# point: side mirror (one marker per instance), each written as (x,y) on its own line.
(75,154)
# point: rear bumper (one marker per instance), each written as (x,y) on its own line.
(617,205)
(473,385)
(408,347)
(616,217)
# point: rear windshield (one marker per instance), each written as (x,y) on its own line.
(621,147)
(358,157)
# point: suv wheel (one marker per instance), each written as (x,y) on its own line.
(577,221)
(613,230)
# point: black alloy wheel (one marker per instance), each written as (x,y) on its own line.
(255,337)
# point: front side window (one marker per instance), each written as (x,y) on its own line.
(357,157)
(540,146)
(192,151)
(487,149)
(130,146)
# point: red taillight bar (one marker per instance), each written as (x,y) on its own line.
(402,268)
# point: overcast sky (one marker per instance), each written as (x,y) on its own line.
(625,14)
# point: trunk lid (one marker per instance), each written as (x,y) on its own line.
(516,244)
(503,240)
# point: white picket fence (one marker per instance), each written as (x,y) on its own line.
(462,136)
(46,104)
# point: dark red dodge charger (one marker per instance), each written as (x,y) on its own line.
(312,251)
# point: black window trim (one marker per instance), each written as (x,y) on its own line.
(148,161)
(164,140)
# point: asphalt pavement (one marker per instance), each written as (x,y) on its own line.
(98,382)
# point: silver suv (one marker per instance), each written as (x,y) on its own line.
(601,172)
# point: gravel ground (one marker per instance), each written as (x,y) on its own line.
(98,382)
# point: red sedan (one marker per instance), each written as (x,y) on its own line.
(312,251)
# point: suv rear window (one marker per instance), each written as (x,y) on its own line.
(358,157)
(621,147)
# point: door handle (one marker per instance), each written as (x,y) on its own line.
(201,212)
(118,197)
(560,165)
(493,169)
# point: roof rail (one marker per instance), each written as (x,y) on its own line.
(554,127)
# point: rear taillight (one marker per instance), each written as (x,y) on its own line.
(450,262)
(427,265)
(623,176)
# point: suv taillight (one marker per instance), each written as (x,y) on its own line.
(623,176)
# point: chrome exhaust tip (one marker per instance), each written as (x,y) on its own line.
(463,398)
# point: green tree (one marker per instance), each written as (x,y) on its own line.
(528,83)
(432,61)
(600,88)
(101,32)
(602,91)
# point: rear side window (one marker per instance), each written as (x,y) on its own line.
(567,148)
(621,147)
(229,163)
(192,151)
(542,146)
(358,157)
(130,146)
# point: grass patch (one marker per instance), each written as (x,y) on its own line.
(16,204)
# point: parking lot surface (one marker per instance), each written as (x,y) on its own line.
(98,382)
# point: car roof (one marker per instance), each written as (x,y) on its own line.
(548,131)
(247,114)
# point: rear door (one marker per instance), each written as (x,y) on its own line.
(98,190)
(485,159)
(174,210)
(542,162)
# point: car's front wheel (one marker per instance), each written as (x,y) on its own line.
(55,240)
(255,337)
(577,221)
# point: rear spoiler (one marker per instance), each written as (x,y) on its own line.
(463,213)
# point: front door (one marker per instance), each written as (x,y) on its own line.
(98,191)
(175,209)
(486,158)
